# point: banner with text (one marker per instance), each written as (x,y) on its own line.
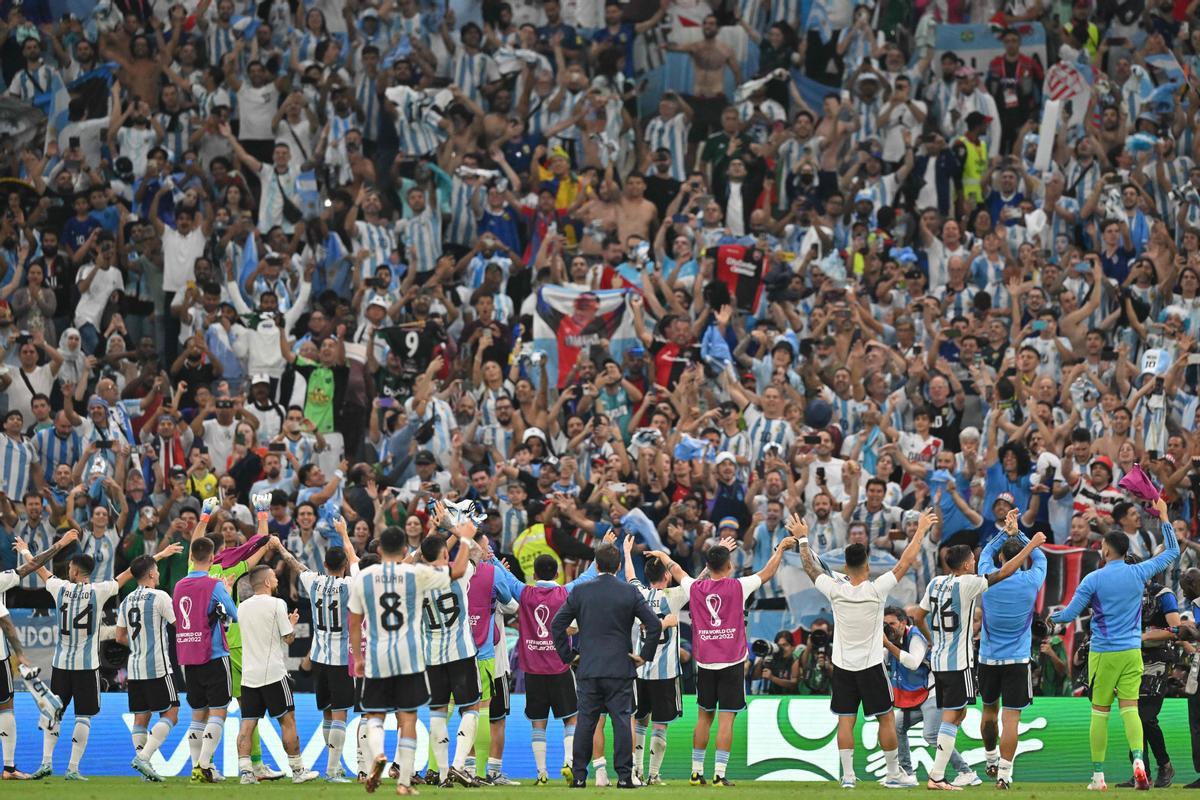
(776,738)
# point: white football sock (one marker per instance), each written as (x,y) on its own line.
(158,735)
(465,739)
(212,737)
(847,759)
(195,739)
(8,734)
(49,742)
(337,740)
(79,740)
(439,737)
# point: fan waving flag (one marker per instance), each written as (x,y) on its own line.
(248,265)
(568,320)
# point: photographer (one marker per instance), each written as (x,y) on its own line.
(816,661)
(1053,678)
(915,703)
(775,669)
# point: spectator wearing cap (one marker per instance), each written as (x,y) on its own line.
(1097,493)
(428,478)
(727,492)
(941,84)
(269,414)
(865,103)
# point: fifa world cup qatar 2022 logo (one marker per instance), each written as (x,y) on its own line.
(185,605)
(712,602)
(541,615)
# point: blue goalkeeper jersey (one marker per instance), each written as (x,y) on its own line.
(1005,637)
(1115,595)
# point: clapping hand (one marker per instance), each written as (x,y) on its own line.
(1010,522)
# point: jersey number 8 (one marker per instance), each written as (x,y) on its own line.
(392,617)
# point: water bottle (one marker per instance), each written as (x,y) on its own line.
(1193,678)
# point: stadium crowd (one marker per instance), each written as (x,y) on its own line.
(295,256)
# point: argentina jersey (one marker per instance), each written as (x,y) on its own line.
(671,134)
(378,240)
(52,450)
(302,450)
(39,537)
(665,665)
(763,431)
(329,597)
(145,613)
(103,550)
(389,597)
(950,603)
(448,637)
(16,456)
(78,607)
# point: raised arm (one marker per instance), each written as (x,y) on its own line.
(34,563)
(1014,563)
(1153,566)
(771,567)
(909,556)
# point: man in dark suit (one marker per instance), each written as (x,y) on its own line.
(605,611)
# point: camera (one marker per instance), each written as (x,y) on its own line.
(764,648)
(819,640)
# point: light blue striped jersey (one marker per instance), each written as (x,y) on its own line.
(423,237)
(220,41)
(665,665)
(1006,635)
(473,71)
(329,597)
(52,451)
(950,601)
(16,459)
(39,537)
(366,94)
(145,614)
(78,607)
(389,596)
(762,431)
(303,447)
(379,240)
(103,550)
(447,628)
(672,134)
(28,84)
